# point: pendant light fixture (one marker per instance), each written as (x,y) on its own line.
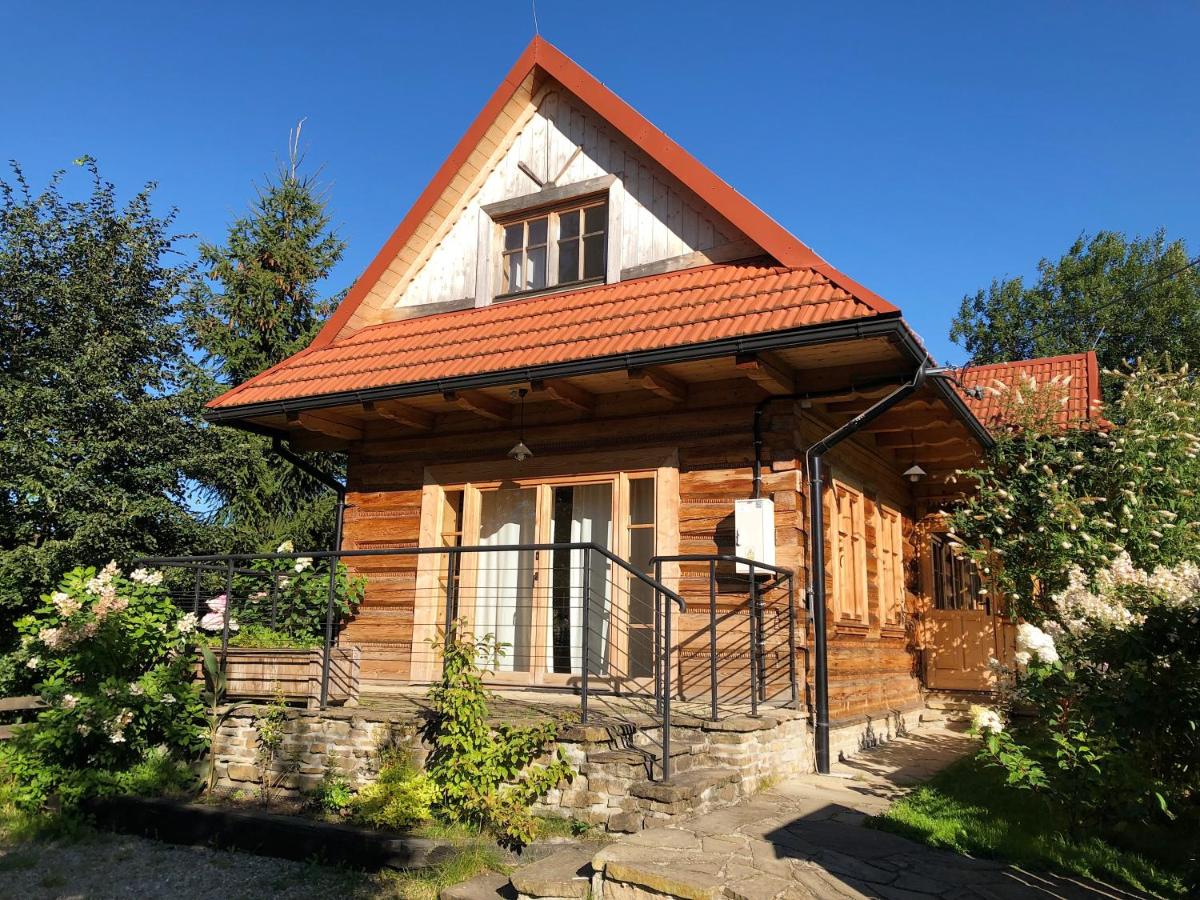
(913,473)
(520,452)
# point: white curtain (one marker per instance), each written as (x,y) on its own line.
(504,578)
(591,522)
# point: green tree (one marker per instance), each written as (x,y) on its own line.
(258,303)
(99,402)
(1126,298)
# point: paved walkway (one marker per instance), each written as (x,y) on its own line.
(804,839)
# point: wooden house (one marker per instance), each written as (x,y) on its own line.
(574,283)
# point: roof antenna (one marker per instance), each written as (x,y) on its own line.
(533,4)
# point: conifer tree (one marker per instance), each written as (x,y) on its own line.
(258,303)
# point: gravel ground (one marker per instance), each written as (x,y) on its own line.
(115,866)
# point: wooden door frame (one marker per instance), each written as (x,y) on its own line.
(543,474)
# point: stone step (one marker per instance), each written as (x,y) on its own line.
(565,874)
(489,886)
(686,787)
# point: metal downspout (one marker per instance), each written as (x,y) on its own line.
(816,568)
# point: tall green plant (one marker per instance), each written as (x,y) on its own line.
(1053,495)
(486,776)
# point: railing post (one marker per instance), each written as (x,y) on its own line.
(329,608)
(452,560)
(274,596)
(196,596)
(658,602)
(753,598)
(666,695)
(712,626)
(792,641)
(587,634)
(228,612)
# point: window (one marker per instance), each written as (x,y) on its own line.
(849,554)
(956,581)
(556,248)
(890,549)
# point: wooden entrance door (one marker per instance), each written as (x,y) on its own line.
(962,628)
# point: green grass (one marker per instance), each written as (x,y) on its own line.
(968,808)
(426,884)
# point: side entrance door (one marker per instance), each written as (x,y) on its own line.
(962,628)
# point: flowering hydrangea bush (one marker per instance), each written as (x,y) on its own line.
(1055,496)
(296,590)
(1112,681)
(111,658)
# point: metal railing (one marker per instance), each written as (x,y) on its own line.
(603,618)
(756,591)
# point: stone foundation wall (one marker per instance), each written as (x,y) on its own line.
(713,763)
(346,741)
(848,737)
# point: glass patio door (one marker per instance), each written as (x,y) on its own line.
(580,513)
(504,578)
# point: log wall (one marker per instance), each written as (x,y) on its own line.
(870,669)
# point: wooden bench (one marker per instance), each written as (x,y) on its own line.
(17,704)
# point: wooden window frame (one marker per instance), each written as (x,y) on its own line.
(850,601)
(548,472)
(553,216)
(889,549)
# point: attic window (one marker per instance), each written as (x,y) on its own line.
(555,248)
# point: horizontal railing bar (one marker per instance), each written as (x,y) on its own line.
(414,551)
(723,557)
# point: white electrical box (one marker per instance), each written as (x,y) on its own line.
(754,531)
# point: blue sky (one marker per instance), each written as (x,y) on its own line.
(923,148)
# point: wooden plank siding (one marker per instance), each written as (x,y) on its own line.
(871,666)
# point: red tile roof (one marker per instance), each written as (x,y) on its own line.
(1078,377)
(678,308)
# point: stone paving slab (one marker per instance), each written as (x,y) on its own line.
(805,839)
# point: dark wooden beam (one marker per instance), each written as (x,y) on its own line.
(938,436)
(481,404)
(662,383)
(767,370)
(908,421)
(327,424)
(420,419)
(567,394)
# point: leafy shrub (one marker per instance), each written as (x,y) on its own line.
(299,591)
(400,796)
(485,777)
(1057,495)
(110,655)
(263,637)
(335,793)
(272,767)
(1113,682)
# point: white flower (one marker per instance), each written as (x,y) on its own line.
(144,576)
(1022,659)
(69,701)
(34,662)
(117,737)
(1036,642)
(285,547)
(136,689)
(986,720)
(168,698)
(187,624)
(85,730)
(302,563)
